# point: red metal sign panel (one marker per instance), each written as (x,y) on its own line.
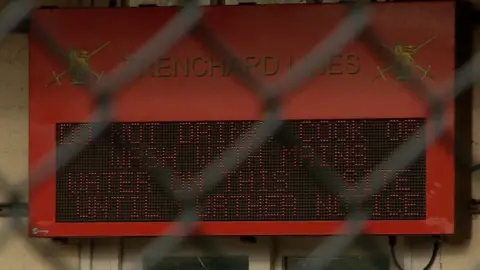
(188,108)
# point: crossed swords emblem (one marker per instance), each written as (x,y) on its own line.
(405,55)
(78,64)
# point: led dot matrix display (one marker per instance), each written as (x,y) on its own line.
(112,179)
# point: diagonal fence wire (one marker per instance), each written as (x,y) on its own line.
(355,25)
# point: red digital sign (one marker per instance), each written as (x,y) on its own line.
(188,108)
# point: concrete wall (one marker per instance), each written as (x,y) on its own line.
(16,253)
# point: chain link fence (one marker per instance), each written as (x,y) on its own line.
(189,19)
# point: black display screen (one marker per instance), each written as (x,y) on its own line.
(110,180)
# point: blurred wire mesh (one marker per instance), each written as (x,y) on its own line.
(189,20)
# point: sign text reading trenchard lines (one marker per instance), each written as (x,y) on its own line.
(210,66)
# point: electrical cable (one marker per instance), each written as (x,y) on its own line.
(475,167)
(392,241)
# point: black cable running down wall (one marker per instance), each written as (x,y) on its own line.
(476,167)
